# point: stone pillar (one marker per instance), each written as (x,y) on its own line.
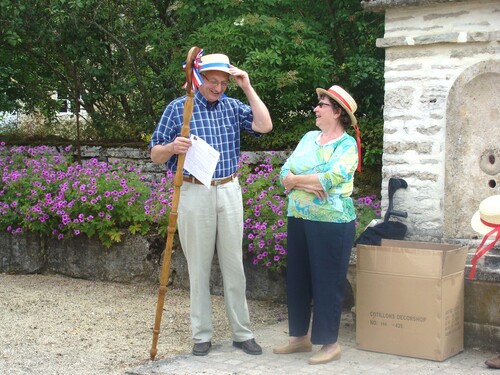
(442,132)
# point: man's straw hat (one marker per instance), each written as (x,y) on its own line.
(216,61)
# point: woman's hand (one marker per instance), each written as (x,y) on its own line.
(310,184)
(288,182)
(321,194)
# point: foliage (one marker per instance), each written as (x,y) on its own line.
(264,230)
(42,190)
(290,48)
(159,203)
(121,61)
(367,209)
(372,138)
(264,199)
(107,57)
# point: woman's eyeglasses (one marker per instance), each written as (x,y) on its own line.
(321,105)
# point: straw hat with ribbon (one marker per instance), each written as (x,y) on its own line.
(347,102)
(486,221)
(215,61)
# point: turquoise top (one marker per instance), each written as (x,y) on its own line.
(335,164)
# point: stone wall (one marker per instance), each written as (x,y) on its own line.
(442,131)
(432,138)
(136,259)
(139,157)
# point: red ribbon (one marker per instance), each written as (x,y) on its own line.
(358,142)
(334,93)
(358,136)
(480,251)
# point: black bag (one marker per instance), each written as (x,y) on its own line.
(393,230)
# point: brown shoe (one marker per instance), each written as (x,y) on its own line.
(202,348)
(493,362)
(324,357)
(248,346)
(296,347)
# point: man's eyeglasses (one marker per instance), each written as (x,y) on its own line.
(214,82)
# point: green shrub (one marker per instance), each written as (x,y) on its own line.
(42,190)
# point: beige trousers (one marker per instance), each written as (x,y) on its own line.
(212,219)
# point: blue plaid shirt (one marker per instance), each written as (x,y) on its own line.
(219,124)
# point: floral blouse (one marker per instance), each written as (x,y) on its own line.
(335,164)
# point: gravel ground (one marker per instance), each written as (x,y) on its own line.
(51,324)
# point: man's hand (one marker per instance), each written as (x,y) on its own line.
(161,153)
(240,77)
(180,145)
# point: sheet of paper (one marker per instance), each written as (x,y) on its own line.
(201,160)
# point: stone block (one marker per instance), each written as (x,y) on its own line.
(83,257)
(21,253)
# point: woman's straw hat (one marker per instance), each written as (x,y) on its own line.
(342,97)
(487,217)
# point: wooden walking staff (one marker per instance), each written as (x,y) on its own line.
(192,59)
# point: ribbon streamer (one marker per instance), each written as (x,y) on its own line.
(483,250)
(356,128)
(196,79)
(358,142)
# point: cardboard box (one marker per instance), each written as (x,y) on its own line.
(410,298)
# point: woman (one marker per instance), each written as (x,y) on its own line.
(321,225)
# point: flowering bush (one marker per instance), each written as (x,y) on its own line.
(367,209)
(264,230)
(265,226)
(159,202)
(44,191)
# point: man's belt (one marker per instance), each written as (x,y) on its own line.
(216,182)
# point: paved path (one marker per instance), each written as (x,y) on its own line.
(224,359)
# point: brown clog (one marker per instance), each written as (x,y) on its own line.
(493,362)
(296,347)
(325,357)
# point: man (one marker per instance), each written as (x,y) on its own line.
(210,219)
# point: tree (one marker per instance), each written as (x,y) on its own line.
(107,55)
(122,59)
(292,47)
